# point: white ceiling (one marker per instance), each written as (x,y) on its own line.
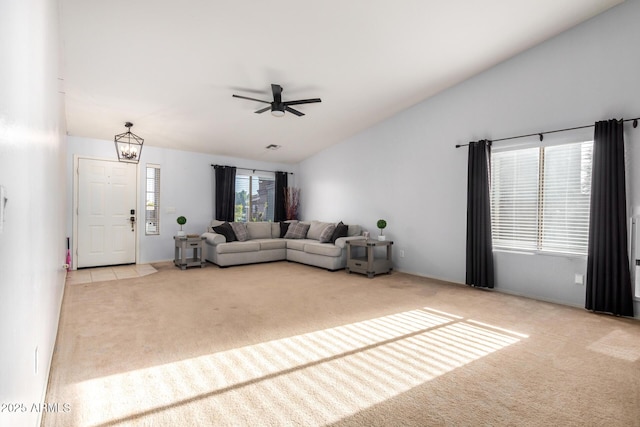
(170,67)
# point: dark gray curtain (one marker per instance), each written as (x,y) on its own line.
(225,192)
(280,212)
(608,276)
(479,244)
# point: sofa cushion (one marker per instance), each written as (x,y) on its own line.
(327,233)
(240,230)
(266,244)
(226,230)
(315,229)
(298,244)
(326,249)
(236,247)
(259,230)
(340,231)
(275,230)
(297,230)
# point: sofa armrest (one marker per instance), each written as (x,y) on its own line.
(342,241)
(214,238)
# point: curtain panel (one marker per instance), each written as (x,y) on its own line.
(280,211)
(608,288)
(225,196)
(480,272)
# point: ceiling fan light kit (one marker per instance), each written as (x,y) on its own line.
(277,106)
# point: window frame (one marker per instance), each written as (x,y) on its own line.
(154,193)
(270,203)
(539,246)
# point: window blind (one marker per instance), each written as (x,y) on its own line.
(540,198)
(566,198)
(514,198)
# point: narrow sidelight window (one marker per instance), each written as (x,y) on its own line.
(152,201)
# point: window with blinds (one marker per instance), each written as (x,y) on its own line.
(540,198)
(152,201)
(255,198)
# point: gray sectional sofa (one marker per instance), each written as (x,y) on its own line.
(264,244)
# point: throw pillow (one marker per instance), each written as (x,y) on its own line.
(327,233)
(284,226)
(226,230)
(240,230)
(316,228)
(340,231)
(297,231)
(214,223)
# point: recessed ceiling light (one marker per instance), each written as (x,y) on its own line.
(272,147)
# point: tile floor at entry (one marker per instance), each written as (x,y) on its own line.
(102,274)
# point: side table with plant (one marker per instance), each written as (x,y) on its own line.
(381,224)
(182,221)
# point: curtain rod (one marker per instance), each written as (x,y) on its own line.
(247,169)
(635,125)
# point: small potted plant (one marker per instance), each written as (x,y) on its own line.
(182,221)
(381,224)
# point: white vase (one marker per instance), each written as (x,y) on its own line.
(382,237)
(182,233)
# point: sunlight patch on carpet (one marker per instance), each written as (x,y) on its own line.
(619,344)
(309,379)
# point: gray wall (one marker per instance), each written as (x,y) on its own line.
(407,170)
(32,242)
(186,185)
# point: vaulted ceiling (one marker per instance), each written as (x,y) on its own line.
(171,67)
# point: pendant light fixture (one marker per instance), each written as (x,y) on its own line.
(128,145)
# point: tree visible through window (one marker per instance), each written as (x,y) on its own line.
(255,197)
(540,198)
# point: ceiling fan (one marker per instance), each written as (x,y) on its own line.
(278,107)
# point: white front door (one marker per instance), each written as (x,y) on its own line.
(106,200)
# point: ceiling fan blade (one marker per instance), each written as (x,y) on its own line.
(277,93)
(303,101)
(291,110)
(250,99)
(263,110)
(245,89)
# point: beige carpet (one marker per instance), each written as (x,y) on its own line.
(287,344)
